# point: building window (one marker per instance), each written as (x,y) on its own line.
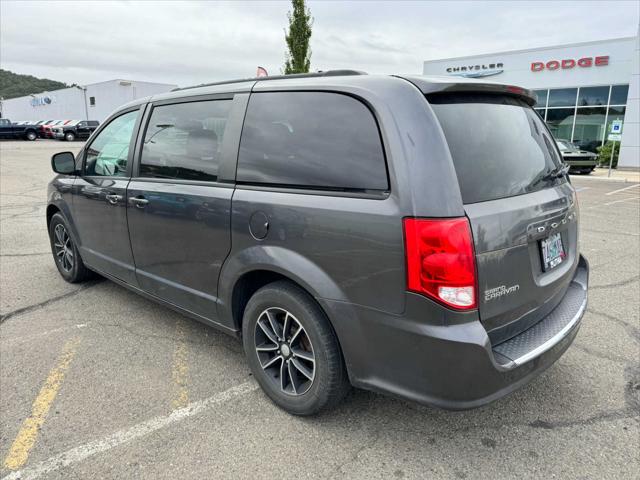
(92,101)
(593,96)
(562,97)
(560,122)
(619,95)
(589,131)
(586,113)
(542,98)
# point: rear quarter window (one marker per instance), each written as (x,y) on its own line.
(317,140)
(499,145)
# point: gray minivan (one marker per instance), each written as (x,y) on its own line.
(411,235)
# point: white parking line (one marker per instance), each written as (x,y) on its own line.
(82,452)
(623,189)
(623,200)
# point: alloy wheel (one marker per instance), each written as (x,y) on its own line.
(284,351)
(63,247)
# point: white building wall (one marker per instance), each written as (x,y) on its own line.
(517,65)
(630,145)
(69,103)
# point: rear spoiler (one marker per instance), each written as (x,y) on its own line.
(435,85)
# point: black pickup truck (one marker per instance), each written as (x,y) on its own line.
(9,130)
(79,130)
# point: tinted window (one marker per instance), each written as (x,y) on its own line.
(619,94)
(311,139)
(107,155)
(593,96)
(563,97)
(589,129)
(500,147)
(541,96)
(560,122)
(184,140)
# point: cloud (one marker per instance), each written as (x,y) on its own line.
(196,42)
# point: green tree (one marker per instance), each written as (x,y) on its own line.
(298,56)
(14,85)
(604,154)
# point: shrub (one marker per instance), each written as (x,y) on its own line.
(604,154)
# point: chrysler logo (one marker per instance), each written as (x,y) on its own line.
(476,71)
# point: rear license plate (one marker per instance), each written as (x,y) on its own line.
(552,252)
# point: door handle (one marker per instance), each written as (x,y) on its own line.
(113,199)
(139,202)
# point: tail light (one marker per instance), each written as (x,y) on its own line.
(440,260)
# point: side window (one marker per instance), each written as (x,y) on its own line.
(107,154)
(184,140)
(311,139)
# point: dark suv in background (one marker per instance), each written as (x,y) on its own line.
(353,229)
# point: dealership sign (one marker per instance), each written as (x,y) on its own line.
(569,63)
(475,71)
(40,101)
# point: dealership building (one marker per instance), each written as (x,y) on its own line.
(88,102)
(581,88)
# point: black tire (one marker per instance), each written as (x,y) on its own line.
(330,382)
(76,272)
(69,136)
(31,135)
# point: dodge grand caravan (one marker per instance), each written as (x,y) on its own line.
(416,236)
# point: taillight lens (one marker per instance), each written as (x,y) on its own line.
(440,260)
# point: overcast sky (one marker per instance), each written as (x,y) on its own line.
(189,43)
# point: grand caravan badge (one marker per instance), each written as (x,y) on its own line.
(500,291)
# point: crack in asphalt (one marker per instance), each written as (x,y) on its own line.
(32,254)
(632,330)
(170,337)
(617,284)
(37,306)
(601,355)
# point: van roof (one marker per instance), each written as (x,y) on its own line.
(427,84)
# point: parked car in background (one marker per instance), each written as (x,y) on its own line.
(48,129)
(579,161)
(75,130)
(350,228)
(24,131)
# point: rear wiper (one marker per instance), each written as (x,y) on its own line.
(558,172)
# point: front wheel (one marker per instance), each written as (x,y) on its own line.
(292,350)
(65,252)
(31,135)
(70,136)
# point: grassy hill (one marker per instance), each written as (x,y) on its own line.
(15,85)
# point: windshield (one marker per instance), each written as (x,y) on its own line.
(499,145)
(564,145)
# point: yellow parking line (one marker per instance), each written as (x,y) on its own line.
(28,434)
(180,372)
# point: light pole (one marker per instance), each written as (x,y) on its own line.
(84,93)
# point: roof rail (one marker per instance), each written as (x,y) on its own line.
(328,73)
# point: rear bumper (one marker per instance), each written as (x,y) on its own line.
(450,362)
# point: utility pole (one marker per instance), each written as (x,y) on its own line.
(84,94)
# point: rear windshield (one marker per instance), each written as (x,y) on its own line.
(500,146)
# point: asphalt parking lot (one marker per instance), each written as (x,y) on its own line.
(97,382)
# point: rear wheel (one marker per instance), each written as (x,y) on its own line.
(69,136)
(292,350)
(65,252)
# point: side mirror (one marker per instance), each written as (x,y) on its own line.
(64,163)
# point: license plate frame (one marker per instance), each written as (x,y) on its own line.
(552,251)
